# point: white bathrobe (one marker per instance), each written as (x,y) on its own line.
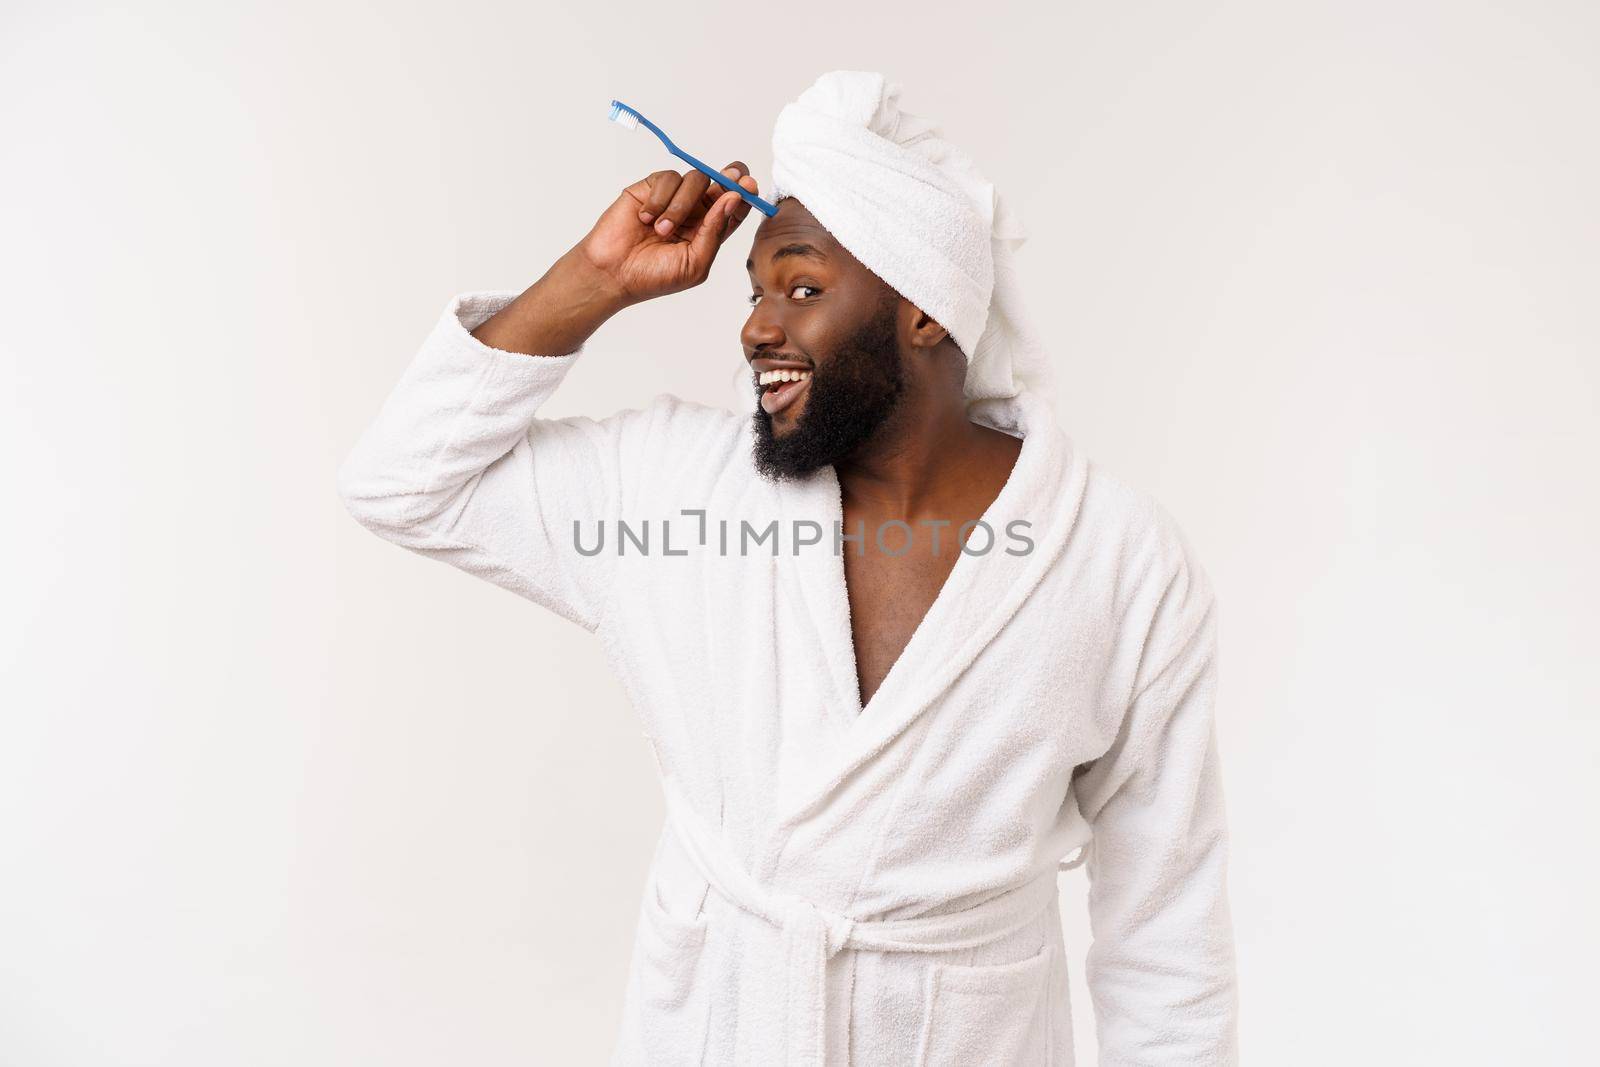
(838,884)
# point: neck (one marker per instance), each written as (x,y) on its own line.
(926,455)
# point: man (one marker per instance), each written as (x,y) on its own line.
(911,651)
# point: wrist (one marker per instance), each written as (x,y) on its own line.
(591,285)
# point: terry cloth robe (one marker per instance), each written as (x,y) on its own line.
(836,883)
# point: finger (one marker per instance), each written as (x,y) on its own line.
(683,204)
(663,184)
(734,172)
(742,208)
(718,224)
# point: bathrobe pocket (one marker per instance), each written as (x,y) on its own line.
(988,1014)
(674,997)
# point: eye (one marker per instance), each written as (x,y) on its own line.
(753,297)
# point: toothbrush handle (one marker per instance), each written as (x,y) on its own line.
(723,180)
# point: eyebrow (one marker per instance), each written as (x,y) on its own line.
(798,248)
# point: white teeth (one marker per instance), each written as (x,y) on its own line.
(767,377)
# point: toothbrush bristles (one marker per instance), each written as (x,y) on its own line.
(621,115)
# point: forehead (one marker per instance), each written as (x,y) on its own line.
(795,234)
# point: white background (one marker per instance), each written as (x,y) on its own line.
(1321,276)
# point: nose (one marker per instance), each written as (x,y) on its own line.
(761,330)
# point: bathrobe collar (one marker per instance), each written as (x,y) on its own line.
(982,593)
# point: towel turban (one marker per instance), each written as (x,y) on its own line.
(914,210)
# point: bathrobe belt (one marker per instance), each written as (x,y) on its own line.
(811,935)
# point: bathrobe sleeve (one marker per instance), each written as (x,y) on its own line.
(1161,966)
(457,467)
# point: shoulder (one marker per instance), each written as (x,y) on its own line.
(678,452)
(1165,603)
(693,419)
(1147,539)
(1125,514)
(677,436)
(665,421)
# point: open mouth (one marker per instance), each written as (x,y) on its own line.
(780,388)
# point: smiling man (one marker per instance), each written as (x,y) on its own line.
(829,409)
(917,653)
(846,400)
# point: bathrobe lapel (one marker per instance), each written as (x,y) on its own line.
(982,593)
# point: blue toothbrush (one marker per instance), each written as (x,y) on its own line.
(626,116)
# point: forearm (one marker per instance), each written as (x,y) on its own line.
(556,314)
(1161,967)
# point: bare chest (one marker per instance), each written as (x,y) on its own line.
(890,594)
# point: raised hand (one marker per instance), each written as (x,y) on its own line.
(664,231)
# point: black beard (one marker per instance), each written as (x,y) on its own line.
(851,396)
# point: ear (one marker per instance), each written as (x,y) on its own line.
(925,332)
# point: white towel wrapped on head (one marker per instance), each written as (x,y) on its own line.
(916,212)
